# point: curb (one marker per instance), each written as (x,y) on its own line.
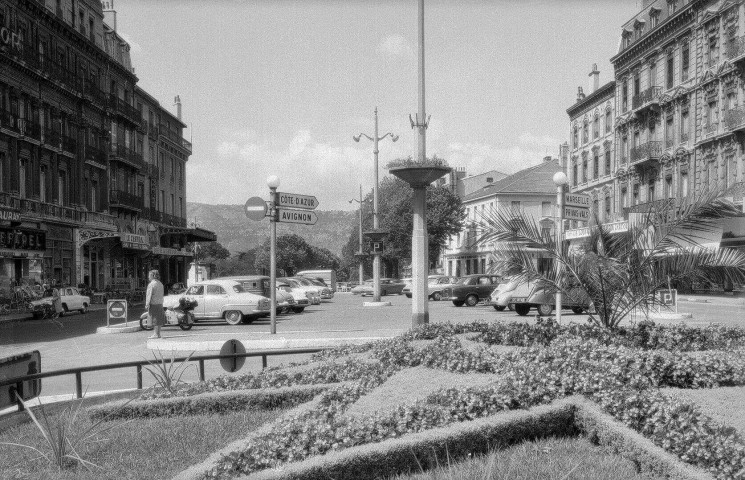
(671,316)
(274,344)
(119,328)
(376,304)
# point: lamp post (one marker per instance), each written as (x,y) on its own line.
(273,182)
(360,254)
(376,256)
(560,180)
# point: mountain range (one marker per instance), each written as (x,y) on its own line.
(239,234)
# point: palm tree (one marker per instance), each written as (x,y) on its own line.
(621,272)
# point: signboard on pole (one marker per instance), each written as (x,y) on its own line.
(294,200)
(298,216)
(581,200)
(116,310)
(255,208)
(576,213)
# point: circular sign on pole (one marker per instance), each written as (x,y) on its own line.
(116,310)
(232,347)
(255,208)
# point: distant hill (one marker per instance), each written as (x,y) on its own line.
(238,234)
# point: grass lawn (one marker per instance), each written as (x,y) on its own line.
(145,448)
(549,459)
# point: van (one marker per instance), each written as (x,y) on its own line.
(327,276)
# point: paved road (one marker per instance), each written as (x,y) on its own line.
(72,341)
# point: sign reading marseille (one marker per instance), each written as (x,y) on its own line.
(581,200)
(294,200)
(298,216)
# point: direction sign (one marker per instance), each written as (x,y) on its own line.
(294,200)
(297,216)
(255,208)
(581,200)
(574,213)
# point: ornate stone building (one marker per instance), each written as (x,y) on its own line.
(79,146)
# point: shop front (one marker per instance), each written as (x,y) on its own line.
(112,260)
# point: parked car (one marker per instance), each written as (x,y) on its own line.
(500,296)
(471,289)
(576,299)
(177,288)
(388,286)
(435,285)
(259,284)
(300,290)
(71,300)
(324,290)
(223,299)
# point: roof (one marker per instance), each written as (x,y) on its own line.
(537,179)
(598,96)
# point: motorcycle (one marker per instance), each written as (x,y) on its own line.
(181,315)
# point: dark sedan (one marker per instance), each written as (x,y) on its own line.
(471,289)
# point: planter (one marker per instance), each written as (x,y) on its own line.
(419,177)
(376,235)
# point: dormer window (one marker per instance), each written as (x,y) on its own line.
(639,28)
(626,35)
(654,17)
(672,6)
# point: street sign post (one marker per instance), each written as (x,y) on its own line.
(116,310)
(581,200)
(297,216)
(577,213)
(294,200)
(255,208)
(232,347)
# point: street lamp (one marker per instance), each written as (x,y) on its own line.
(560,180)
(273,183)
(360,254)
(376,256)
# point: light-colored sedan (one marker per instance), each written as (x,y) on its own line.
(388,286)
(71,300)
(435,286)
(223,299)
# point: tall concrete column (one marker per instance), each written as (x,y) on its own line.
(419,258)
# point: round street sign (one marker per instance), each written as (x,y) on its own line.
(229,348)
(117,309)
(255,208)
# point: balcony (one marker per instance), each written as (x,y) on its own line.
(49,211)
(98,220)
(152,170)
(663,210)
(125,200)
(9,121)
(186,144)
(736,49)
(52,138)
(152,131)
(123,154)
(95,155)
(150,213)
(10,201)
(646,152)
(734,119)
(646,99)
(709,129)
(172,220)
(69,144)
(93,93)
(29,128)
(124,109)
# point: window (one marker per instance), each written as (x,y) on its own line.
(584,170)
(624,149)
(684,126)
(669,187)
(684,184)
(713,50)
(672,6)
(596,209)
(546,209)
(652,74)
(607,161)
(515,204)
(575,137)
(624,97)
(595,165)
(685,61)
(62,188)
(654,18)
(215,290)
(94,196)
(637,84)
(574,173)
(670,70)
(669,132)
(608,121)
(624,197)
(22,178)
(635,194)
(650,190)
(596,127)
(195,290)
(162,201)
(607,207)
(585,132)
(173,205)
(43,184)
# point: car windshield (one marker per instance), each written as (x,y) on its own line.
(195,290)
(293,283)
(306,282)
(239,289)
(462,281)
(315,282)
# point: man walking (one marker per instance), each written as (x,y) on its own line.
(154,302)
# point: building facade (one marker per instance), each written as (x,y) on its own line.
(79,150)
(530,191)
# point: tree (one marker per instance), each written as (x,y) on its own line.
(445,214)
(293,254)
(210,251)
(620,272)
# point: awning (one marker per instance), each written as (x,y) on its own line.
(172,252)
(192,234)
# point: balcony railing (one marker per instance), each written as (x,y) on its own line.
(29,128)
(710,128)
(9,121)
(736,49)
(664,209)
(91,90)
(647,97)
(69,144)
(150,213)
(10,201)
(124,109)
(122,153)
(186,144)
(120,198)
(95,154)
(734,119)
(53,138)
(49,210)
(98,219)
(172,220)
(646,151)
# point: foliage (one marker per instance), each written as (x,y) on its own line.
(294,254)
(64,435)
(168,373)
(620,272)
(444,216)
(210,251)
(433,161)
(242,263)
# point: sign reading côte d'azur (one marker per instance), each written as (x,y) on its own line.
(294,200)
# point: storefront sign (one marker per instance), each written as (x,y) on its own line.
(22,239)
(8,38)
(30,254)
(137,242)
(171,252)
(615,227)
(10,215)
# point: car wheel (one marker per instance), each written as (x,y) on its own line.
(84,309)
(472,300)
(458,303)
(144,324)
(522,309)
(499,308)
(233,317)
(248,319)
(437,296)
(511,307)
(578,310)
(545,309)
(383,293)
(36,315)
(298,309)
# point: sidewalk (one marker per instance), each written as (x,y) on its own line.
(25,316)
(713,298)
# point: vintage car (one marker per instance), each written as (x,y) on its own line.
(223,299)
(325,291)
(71,300)
(177,288)
(435,285)
(471,289)
(388,286)
(300,290)
(500,296)
(575,298)
(259,284)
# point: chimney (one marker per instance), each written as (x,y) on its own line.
(547,158)
(563,154)
(594,78)
(177,101)
(580,94)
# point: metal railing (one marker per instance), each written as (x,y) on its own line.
(123,108)
(122,152)
(52,138)
(120,197)
(17,382)
(647,96)
(172,220)
(95,154)
(9,121)
(736,48)
(646,151)
(29,128)
(710,128)
(69,144)
(734,118)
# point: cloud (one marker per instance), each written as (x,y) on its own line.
(395,45)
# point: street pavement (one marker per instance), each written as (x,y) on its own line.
(72,341)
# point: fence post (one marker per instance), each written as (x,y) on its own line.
(139,377)
(17,392)
(263,361)
(78,384)
(201,370)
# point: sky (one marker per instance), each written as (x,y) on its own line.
(280,87)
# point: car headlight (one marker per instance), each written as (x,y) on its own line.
(264,304)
